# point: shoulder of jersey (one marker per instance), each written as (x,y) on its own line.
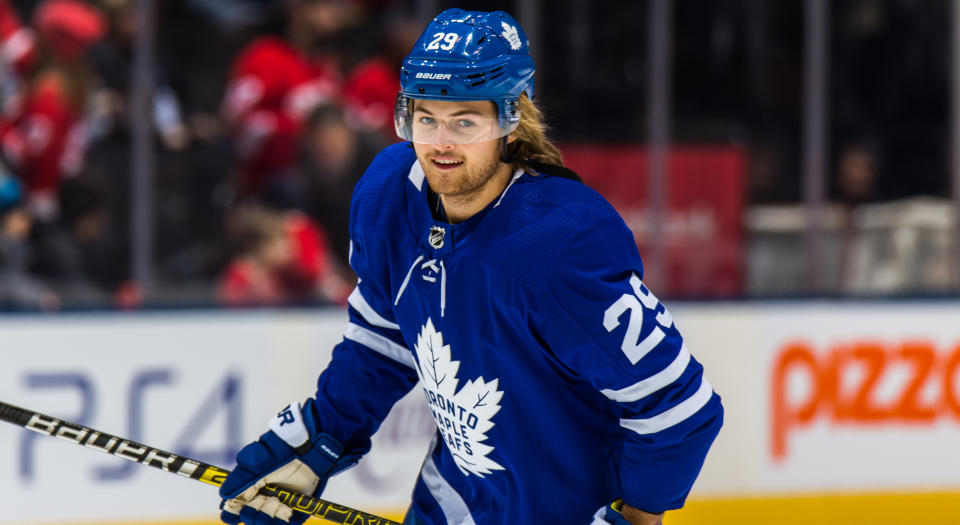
(378,195)
(545,217)
(559,206)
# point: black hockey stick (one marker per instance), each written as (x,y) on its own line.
(186,467)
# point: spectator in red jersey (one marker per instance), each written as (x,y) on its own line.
(371,87)
(263,250)
(281,258)
(45,139)
(17,54)
(275,82)
(311,275)
(18,45)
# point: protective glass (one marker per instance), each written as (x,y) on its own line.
(422,127)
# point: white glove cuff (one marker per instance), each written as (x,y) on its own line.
(289,425)
(599,518)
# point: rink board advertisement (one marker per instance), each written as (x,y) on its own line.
(198,384)
(835,412)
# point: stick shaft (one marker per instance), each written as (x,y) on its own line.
(169,462)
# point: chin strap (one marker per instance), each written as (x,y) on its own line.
(504,156)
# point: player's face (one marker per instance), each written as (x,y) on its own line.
(454,169)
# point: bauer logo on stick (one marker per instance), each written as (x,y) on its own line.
(189,468)
(123,448)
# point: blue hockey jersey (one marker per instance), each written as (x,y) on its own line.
(557,380)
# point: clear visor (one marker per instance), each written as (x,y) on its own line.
(460,127)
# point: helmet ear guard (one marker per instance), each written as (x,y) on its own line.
(510,112)
(403,116)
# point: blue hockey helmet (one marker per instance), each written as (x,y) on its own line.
(466,55)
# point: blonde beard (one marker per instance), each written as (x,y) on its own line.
(475,179)
(471,183)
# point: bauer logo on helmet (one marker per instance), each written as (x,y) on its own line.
(434,76)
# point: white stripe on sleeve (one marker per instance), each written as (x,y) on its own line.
(642,389)
(675,415)
(373,317)
(379,344)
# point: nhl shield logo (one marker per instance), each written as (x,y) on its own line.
(436,237)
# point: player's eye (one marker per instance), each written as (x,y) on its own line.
(466,123)
(428,121)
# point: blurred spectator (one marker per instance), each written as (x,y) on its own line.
(768,172)
(333,157)
(311,275)
(45,139)
(890,67)
(18,289)
(189,160)
(275,82)
(87,256)
(18,47)
(856,185)
(113,59)
(279,258)
(856,174)
(371,87)
(253,276)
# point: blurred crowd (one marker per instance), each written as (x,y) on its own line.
(265,113)
(889,222)
(264,116)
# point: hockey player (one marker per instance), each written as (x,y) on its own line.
(561,388)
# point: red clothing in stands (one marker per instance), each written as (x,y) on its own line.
(271,88)
(245,283)
(370,92)
(18,44)
(45,139)
(302,278)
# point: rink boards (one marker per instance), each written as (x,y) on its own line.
(835,412)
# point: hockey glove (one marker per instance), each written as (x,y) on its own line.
(293,455)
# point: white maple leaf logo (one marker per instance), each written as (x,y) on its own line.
(512,35)
(463,417)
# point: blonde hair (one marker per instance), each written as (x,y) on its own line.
(531,138)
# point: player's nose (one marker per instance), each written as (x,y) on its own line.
(442,145)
